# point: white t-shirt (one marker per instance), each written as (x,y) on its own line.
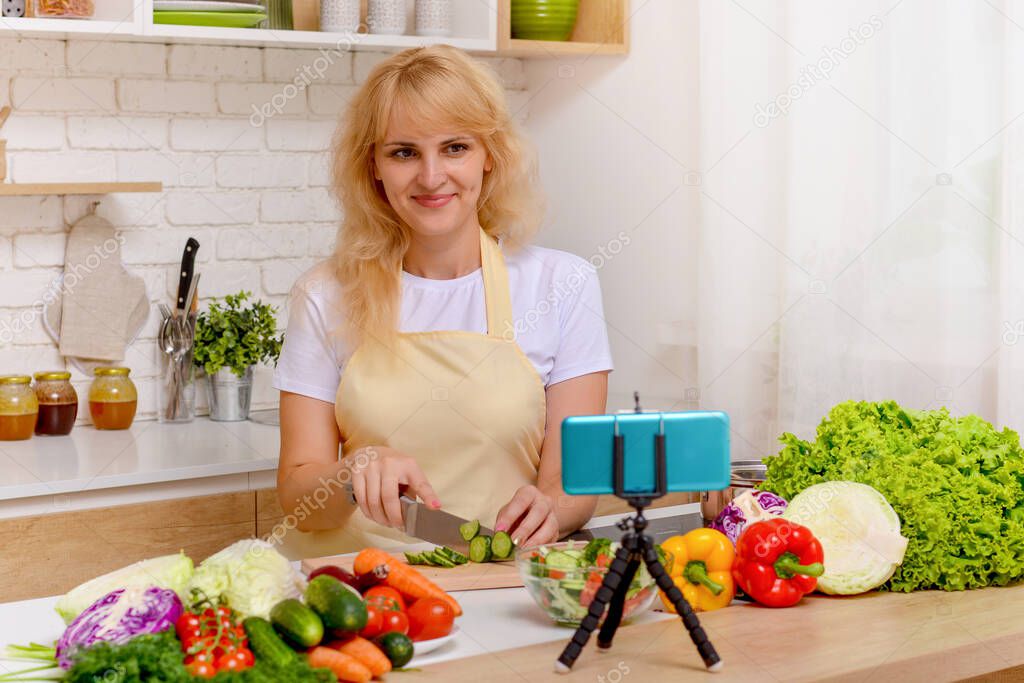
(556,304)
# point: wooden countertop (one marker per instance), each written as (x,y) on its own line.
(925,636)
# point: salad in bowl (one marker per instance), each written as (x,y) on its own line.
(563,578)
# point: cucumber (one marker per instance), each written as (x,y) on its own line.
(469,530)
(336,606)
(558,559)
(396,647)
(414,558)
(297,623)
(501,545)
(480,549)
(266,644)
(442,560)
(457,557)
(453,555)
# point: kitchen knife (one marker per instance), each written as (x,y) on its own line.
(434,526)
(188,266)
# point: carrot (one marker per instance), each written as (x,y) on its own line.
(402,577)
(366,652)
(345,667)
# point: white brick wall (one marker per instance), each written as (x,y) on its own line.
(253,189)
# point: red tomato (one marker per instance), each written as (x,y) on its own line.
(603,560)
(187,626)
(386,592)
(201,656)
(374,621)
(234,661)
(246,655)
(201,669)
(394,621)
(588,593)
(430,618)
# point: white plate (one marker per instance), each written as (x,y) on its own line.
(205,6)
(425,646)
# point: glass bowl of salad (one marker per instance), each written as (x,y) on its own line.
(563,578)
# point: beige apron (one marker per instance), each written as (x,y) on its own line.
(469,407)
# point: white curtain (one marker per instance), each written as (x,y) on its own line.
(862,215)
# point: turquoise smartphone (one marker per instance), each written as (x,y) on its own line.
(695,444)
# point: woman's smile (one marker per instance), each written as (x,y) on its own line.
(433,201)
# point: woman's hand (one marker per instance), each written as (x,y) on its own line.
(529,518)
(379,475)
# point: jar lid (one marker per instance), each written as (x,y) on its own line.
(15,379)
(105,371)
(52,375)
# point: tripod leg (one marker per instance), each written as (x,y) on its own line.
(707,651)
(604,594)
(616,605)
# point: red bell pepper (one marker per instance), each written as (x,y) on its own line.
(777,562)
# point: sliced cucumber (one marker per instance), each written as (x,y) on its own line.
(414,558)
(469,530)
(480,549)
(454,555)
(501,546)
(558,559)
(442,560)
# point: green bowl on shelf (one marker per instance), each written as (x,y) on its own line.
(543,19)
(219,19)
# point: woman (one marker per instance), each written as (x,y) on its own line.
(442,362)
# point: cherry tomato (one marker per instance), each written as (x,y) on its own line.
(603,560)
(187,626)
(430,618)
(201,669)
(392,620)
(374,621)
(223,611)
(388,593)
(233,661)
(201,656)
(246,655)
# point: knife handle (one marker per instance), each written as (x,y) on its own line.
(188,266)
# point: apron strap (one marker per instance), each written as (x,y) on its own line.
(496,289)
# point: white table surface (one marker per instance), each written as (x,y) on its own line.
(149,452)
(492,620)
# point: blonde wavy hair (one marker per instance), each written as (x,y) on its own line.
(446,87)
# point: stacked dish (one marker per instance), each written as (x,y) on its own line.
(543,19)
(222,13)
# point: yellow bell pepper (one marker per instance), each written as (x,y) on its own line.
(702,569)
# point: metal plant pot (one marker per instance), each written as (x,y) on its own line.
(230,395)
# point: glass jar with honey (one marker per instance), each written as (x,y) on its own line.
(18,408)
(58,403)
(112,398)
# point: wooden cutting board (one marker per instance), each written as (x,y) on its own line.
(465,577)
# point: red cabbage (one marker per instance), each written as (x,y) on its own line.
(118,617)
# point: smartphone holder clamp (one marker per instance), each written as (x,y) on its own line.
(636,547)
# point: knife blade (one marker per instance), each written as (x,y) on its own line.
(436,526)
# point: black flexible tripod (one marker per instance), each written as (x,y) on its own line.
(636,546)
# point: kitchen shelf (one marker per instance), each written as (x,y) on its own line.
(602,27)
(27,189)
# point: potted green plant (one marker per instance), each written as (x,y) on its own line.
(230,339)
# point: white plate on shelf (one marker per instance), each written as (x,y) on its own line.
(205,6)
(426,646)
